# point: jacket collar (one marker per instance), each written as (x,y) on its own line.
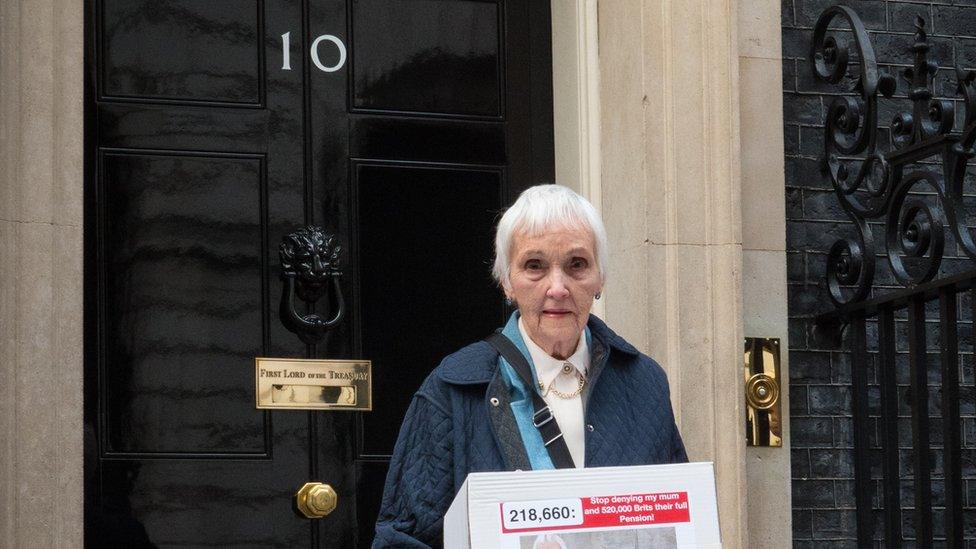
(479,368)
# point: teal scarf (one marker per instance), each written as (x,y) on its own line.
(521,398)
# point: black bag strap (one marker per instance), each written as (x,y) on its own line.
(542,418)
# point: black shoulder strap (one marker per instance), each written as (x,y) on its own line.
(543,419)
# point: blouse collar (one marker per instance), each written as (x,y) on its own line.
(547,367)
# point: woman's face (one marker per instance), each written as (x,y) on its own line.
(553,278)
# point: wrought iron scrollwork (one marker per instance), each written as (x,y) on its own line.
(310,266)
(870,179)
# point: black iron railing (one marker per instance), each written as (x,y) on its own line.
(869,173)
(907,174)
(911,303)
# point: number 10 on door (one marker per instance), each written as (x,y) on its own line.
(313,52)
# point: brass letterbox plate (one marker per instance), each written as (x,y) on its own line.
(312,384)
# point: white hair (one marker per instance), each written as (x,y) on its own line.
(539,209)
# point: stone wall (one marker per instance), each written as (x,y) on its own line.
(670,197)
(822,455)
(41,114)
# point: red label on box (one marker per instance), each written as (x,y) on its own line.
(596,512)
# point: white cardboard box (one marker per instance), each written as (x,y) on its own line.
(644,506)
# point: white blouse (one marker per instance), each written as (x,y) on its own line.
(562,376)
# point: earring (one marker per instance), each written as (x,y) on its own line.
(508,301)
(597,296)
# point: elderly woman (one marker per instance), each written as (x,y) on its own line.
(554,388)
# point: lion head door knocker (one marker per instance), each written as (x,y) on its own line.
(309,266)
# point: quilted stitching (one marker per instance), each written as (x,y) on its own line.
(637,429)
(506,429)
(473,364)
(447,433)
(419,484)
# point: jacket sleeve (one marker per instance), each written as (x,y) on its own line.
(419,486)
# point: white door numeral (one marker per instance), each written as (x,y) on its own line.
(313,51)
(286,51)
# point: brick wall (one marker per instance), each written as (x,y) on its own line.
(820,398)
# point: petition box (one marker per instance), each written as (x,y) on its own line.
(659,506)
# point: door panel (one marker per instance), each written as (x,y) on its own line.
(206,143)
(152,51)
(426,288)
(168,126)
(203,502)
(417,139)
(184,262)
(431,57)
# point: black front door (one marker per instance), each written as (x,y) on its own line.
(213,130)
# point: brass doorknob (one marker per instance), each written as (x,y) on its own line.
(315,500)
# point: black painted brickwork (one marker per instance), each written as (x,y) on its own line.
(822,442)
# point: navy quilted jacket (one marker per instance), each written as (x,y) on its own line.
(452,429)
